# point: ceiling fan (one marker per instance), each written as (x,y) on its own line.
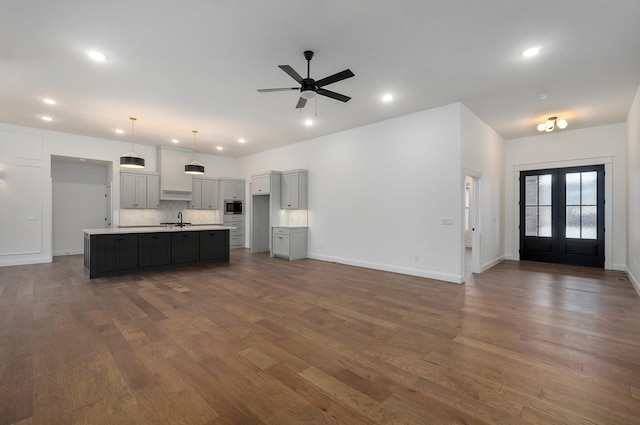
(310,87)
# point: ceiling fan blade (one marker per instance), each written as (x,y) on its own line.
(301,102)
(343,75)
(292,73)
(333,95)
(282,89)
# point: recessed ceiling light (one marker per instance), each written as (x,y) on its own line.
(175,141)
(241,140)
(96,56)
(308,123)
(119,131)
(49,101)
(531,52)
(387,98)
(219,148)
(47,118)
(543,96)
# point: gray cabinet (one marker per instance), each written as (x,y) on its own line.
(232,189)
(293,185)
(289,242)
(139,190)
(205,194)
(261,184)
(236,236)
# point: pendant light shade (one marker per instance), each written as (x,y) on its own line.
(194,167)
(131,159)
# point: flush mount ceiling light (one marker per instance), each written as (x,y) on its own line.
(96,56)
(49,101)
(47,119)
(194,167)
(551,124)
(308,123)
(241,140)
(531,52)
(131,159)
(387,98)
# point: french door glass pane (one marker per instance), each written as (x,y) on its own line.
(531,221)
(531,190)
(544,221)
(589,188)
(573,188)
(544,190)
(572,229)
(589,223)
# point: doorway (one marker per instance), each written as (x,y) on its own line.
(562,215)
(471,217)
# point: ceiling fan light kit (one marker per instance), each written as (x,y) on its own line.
(131,159)
(309,87)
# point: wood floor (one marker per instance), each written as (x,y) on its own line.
(268,341)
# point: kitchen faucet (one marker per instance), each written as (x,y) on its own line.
(180,217)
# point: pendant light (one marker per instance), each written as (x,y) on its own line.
(194,167)
(131,159)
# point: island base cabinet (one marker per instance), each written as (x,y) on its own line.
(185,247)
(154,249)
(111,254)
(214,245)
(289,243)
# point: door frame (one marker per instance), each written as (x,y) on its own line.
(607,161)
(476,192)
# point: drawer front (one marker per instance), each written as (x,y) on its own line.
(236,240)
(281,246)
(237,232)
(280,231)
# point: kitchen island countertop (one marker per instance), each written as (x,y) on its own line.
(154,229)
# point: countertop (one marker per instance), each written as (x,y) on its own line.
(155,229)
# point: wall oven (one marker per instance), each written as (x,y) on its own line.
(232,207)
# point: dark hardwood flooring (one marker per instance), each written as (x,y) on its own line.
(268,341)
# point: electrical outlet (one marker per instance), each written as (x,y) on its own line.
(447,222)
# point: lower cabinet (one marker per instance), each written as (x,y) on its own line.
(289,242)
(154,249)
(117,252)
(185,247)
(214,245)
(109,254)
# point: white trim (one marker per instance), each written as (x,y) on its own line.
(608,196)
(476,188)
(25,261)
(634,281)
(447,277)
(487,266)
(70,252)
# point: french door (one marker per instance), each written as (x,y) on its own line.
(562,215)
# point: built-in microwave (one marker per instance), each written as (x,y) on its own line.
(232,207)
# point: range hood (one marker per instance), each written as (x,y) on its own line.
(175,185)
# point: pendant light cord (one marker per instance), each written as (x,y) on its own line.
(133,136)
(194,143)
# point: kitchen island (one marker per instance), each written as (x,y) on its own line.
(112,251)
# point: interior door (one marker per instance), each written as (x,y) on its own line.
(562,215)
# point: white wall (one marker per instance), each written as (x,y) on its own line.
(26,185)
(633,192)
(378,193)
(78,203)
(596,145)
(483,153)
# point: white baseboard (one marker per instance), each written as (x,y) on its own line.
(634,280)
(6,262)
(619,267)
(487,266)
(509,257)
(390,268)
(70,252)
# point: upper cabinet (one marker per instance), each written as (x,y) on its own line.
(261,184)
(175,184)
(293,185)
(205,194)
(232,189)
(139,190)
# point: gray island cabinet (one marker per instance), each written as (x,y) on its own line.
(121,250)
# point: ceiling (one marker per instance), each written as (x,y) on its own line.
(180,66)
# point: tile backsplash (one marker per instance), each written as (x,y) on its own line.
(168,212)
